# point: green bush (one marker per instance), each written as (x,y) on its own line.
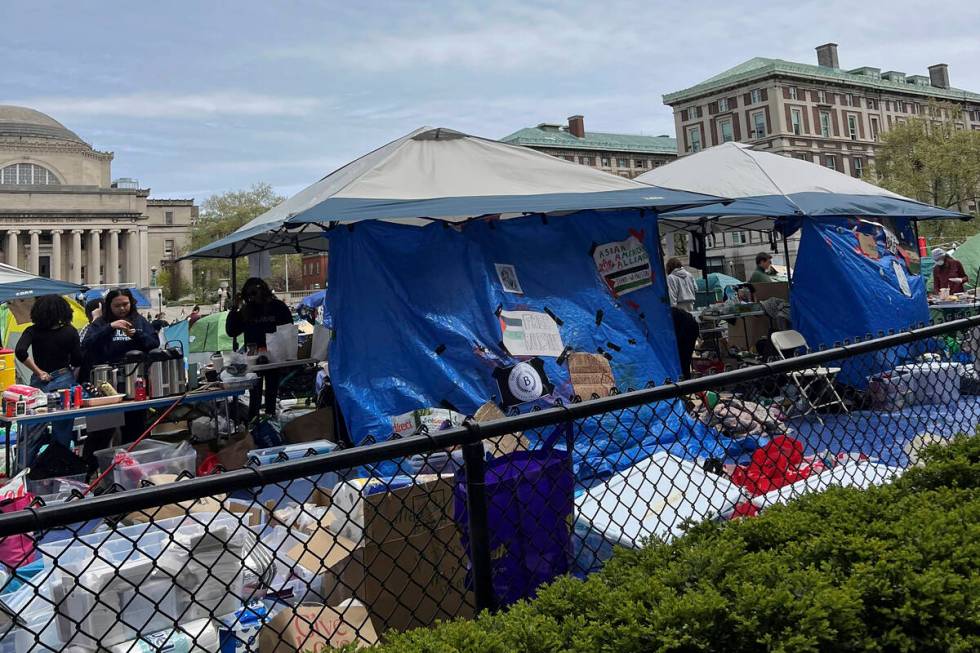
(893,568)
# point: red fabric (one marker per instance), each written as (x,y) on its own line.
(774,465)
(744,509)
(941,275)
(208,465)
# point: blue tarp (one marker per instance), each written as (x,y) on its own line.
(99,293)
(419,326)
(841,293)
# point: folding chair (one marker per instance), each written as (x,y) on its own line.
(818,380)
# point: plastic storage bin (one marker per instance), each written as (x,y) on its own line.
(933,383)
(114,585)
(53,490)
(143,466)
(148,450)
(286,452)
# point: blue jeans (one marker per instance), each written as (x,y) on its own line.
(60,428)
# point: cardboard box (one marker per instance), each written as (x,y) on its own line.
(775,289)
(409,568)
(316,425)
(316,628)
(248,513)
(757,327)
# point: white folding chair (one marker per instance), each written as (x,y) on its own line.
(815,383)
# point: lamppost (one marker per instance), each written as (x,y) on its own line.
(153,275)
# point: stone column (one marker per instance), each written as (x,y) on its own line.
(144,276)
(12,257)
(35,258)
(56,253)
(75,264)
(132,257)
(93,277)
(112,264)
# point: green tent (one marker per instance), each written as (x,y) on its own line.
(208,334)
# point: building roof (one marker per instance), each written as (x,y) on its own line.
(546,135)
(23,122)
(867,77)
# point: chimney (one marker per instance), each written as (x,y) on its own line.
(939,75)
(827,55)
(576,126)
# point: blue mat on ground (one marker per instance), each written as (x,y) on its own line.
(882,435)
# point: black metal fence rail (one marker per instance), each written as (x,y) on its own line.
(309,551)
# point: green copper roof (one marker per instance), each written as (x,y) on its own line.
(760,67)
(557,136)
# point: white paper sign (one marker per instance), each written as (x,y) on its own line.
(508,278)
(903,281)
(624,265)
(526,333)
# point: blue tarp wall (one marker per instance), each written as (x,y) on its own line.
(415,323)
(840,293)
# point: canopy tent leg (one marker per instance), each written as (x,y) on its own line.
(234,289)
(789,266)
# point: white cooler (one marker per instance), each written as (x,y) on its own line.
(653,498)
(933,383)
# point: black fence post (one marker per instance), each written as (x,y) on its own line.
(474,459)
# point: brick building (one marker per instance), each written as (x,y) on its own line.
(314,271)
(820,113)
(627,155)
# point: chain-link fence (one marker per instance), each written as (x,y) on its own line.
(343,547)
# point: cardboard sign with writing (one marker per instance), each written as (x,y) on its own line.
(624,265)
(527,333)
(591,375)
(316,628)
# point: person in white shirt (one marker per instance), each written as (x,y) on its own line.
(680,285)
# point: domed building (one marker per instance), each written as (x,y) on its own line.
(62,216)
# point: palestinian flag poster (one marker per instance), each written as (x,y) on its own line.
(624,265)
(527,333)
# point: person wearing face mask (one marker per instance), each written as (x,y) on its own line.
(255,314)
(118,330)
(948,272)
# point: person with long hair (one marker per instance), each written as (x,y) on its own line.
(118,330)
(255,314)
(50,348)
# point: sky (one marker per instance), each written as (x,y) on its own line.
(197,98)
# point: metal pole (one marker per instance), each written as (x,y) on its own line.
(233,293)
(789,267)
(286,262)
(476,510)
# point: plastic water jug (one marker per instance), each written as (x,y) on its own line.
(8,369)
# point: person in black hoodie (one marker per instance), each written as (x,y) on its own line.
(107,339)
(257,313)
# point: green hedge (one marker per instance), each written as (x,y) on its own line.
(887,569)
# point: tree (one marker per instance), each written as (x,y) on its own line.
(219,216)
(933,159)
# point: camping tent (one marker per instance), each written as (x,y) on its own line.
(835,212)
(208,334)
(100,292)
(11,330)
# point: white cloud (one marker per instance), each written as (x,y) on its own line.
(174,105)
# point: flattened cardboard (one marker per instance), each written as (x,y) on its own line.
(505,444)
(316,425)
(317,628)
(590,374)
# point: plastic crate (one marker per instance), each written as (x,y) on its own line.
(146,451)
(113,585)
(286,452)
(181,459)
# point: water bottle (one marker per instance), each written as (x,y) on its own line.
(140,393)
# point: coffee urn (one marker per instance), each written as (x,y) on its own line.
(177,367)
(158,373)
(127,371)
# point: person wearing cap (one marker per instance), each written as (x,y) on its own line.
(948,272)
(764,272)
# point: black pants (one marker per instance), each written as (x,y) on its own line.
(686,331)
(133,426)
(266,391)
